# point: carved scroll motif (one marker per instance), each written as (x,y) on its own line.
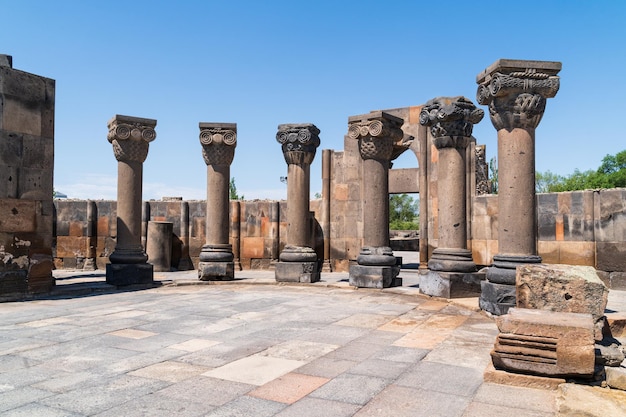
(130,140)
(218,145)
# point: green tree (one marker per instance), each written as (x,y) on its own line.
(493,169)
(403,212)
(546,182)
(233,191)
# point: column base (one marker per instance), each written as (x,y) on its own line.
(496,298)
(452,260)
(307,272)
(326,266)
(90,264)
(451,284)
(129,274)
(216,271)
(368,276)
(504,267)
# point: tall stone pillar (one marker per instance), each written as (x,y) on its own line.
(218,149)
(298,261)
(376,132)
(235,227)
(325,208)
(451,120)
(516,93)
(130,137)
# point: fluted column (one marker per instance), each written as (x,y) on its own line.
(298,261)
(516,92)
(376,132)
(218,142)
(451,120)
(130,137)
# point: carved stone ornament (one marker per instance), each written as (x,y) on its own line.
(483,185)
(377,133)
(218,143)
(451,120)
(299,142)
(516,92)
(130,137)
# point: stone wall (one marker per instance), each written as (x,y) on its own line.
(576,228)
(26,172)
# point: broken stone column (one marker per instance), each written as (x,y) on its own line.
(376,132)
(130,137)
(218,149)
(516,93)
(451,268)
(545,343)
(298,261)
(159,245)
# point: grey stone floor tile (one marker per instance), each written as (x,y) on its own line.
(136,361)
(155,405)
(223,353)
(112,392)
(355,351)
(399,401)
(517,397)
(478,409)
(326,367)
(26,376)
(152,343)
(19,344)
(379,368)
(449,379)
(351,388)
(334,334)
(248,406)
(13,362)
(379,337)
(19,397)
(212,391)
(318,407)
(66,381)
(401,354)
(38,410)
(467,354)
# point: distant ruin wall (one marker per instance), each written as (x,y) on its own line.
(575,228)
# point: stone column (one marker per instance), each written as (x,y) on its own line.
(325,208)
(376,132)
(185,263)
(130,137)
(92,236)
(235,227)
(298,261)
(218,149)
(516,93)
(451,120)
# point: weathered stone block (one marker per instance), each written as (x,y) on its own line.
(374,276)
(306,272)
(216,271)
(129,274)
(617,280)
(18,215)
(563,288)
(451,284)
(252,247)
(611,256)
(70,246)
(549,251)
(616,377)
(496,298)
(577,253)
(545,343)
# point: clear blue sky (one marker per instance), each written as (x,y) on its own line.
(263,63)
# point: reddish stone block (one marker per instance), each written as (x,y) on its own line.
(252,247)
(76,229)
(70,246)
(18,215)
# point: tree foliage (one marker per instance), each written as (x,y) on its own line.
(403,212)
(493,169)
(233,190)
(610,174)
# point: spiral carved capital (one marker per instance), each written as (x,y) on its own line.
(299,142)
(451,120)
(376,135)
(130,137)
(218,144)
(516,95)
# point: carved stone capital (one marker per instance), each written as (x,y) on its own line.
(377,133)
(130,137)
(516,91)
(218,142)
(451,120)
(299,142)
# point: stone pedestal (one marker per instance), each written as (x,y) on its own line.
(218,142)
(130,137)
(516,93)
(451,121)
(451,284)
(377,132)
(298,262)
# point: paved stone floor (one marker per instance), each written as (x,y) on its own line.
(247,349)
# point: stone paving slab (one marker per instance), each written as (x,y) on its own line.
(241,349)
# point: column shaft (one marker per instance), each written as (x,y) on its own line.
(217,222)
(298,205)
(376,203)
(451,179)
